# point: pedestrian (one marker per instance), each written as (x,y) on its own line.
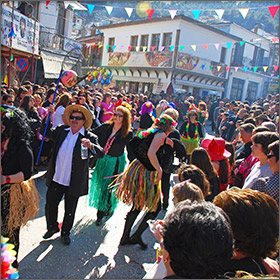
(114,136)
(68,169)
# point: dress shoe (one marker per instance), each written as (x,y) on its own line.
(65,240)
(50,233)
(98,222)
(125,240)
(138,240)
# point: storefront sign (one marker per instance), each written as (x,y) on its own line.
(25,37)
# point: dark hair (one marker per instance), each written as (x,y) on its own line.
(50,92)
(265,138)
(248,128)
(5,96)
(197,176)
(254,221)
(250,120)
(274,147)
(229,147)
(202,160)
(198,239)
(224,171)
(25,102)
(63,100)
(260,128)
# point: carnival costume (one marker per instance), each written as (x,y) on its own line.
(106,168)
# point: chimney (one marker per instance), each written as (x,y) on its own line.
(256,28)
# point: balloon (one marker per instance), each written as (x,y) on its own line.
(94,81)
(99,77)
(69,78)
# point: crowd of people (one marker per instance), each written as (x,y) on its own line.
(223,217)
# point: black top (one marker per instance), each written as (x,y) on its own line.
(46,104)
(191,129)
(214,188)
(244,151)
(21,159)
(146,121)
(117,148)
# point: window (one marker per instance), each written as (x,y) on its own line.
(252,91)
(258,56)
(133,43)
(223,55)
(167,39)
(236,89)
(144,42)
(111,43)
(238,55)
(155,41)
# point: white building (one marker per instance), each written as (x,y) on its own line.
(254,54)
(149,54)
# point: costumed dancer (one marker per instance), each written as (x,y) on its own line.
(146,119)
(191,132)
(140,185)
(203,115)
(114,136)
(19,196)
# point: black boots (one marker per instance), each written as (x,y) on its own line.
(130,219)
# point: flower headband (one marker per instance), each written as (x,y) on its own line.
(164,119)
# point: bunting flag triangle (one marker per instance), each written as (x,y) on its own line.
(12,33)
(196,13)
(107,47)
(227,68)
(90,8)
(121,47)
(219,67)
(205,46)
(114,47)
(12,57)
(244,12)
(236,69)
(172,48)
(137,48)
(255,68)
(265,68)
(274,39)
(47,3)
(242,43)
(211,66)
(203,66)
(109,9)
(153,48)
(150,13)
(182,47)
(94,45)
(217,46)
(229,45)
(245,69)
(172,13)
(129,11)
(272,75)
(275,68)
(273,10)
(162,48)
(100,46)
(220,13)
(5,80)
(193,47)
(129,48)
(144,49)
(88,45)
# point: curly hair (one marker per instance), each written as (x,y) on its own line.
(254,220)
(197,176)
(199,240)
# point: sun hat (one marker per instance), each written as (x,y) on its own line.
(192,112)
(78,108)
(216,148)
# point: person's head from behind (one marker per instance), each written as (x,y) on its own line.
(196,175)
(197,240)
(186,190)
(254,220)
(202,160)
(173,113)
(270,125)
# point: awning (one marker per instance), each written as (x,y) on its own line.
(52,64)
(198,85)
(136,79)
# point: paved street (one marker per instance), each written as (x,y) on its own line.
(94,251)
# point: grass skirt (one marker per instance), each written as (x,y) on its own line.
(99,192)
(190,145)
(135,186)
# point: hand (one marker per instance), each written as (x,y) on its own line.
(159,175)
(157,230)
(86,143)
(51,109)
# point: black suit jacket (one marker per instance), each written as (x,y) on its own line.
(80,168)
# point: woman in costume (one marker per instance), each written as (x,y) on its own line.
(113,136)
(191,131)
(19,197)
(203,115)
(140,185)
(107,107)
(146,119)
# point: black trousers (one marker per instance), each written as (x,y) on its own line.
(54,195)
(165,186)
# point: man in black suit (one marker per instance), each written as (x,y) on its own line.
(68,170)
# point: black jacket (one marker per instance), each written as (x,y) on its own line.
(80,168)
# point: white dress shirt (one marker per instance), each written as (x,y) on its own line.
(57,116)
(63,165)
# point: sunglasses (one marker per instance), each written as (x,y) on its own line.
(78,118)
(270,156)
(118,115)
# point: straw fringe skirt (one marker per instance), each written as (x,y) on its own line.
(136,187)
(190,145)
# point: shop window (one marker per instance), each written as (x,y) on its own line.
(236,89)
(144,42)
(155,41)
(167,39)
(133,43)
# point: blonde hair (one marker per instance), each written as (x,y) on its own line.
(187,190)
